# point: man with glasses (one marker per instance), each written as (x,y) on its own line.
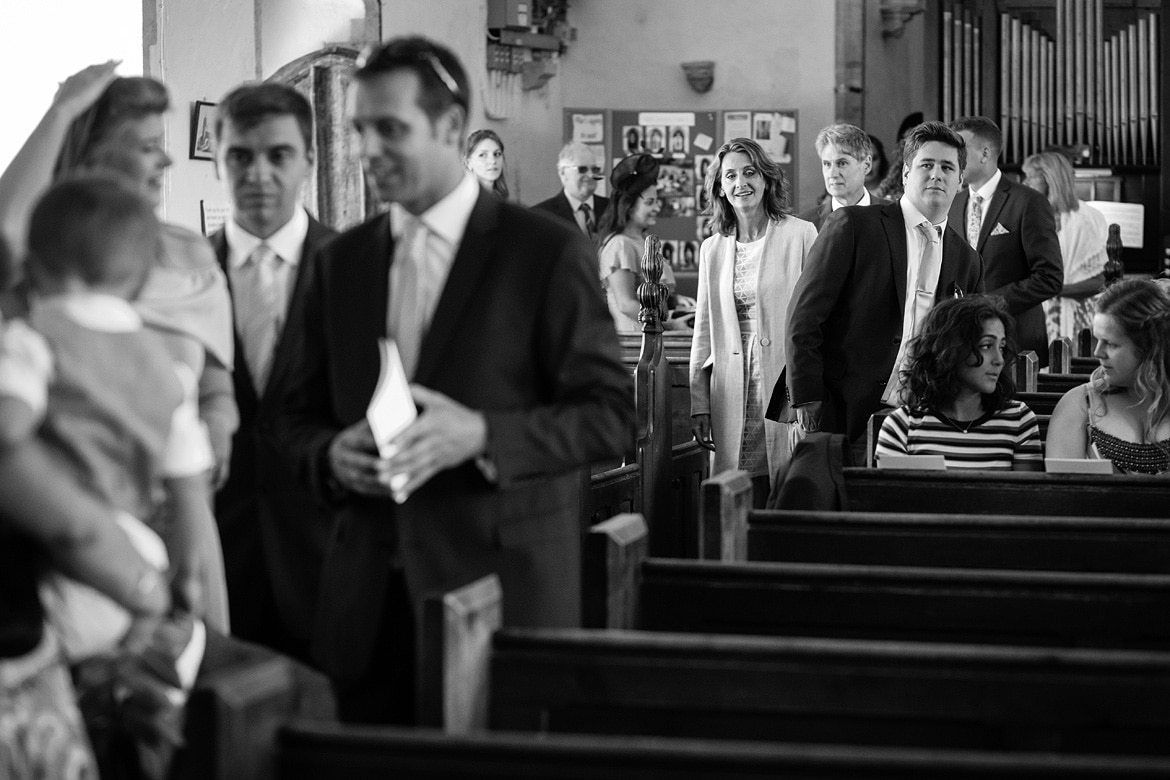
(516,372)
(577,202)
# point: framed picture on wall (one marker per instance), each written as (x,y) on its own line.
(202,124)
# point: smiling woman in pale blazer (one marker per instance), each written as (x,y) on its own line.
(747,271)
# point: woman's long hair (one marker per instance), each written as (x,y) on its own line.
(777,199)
(1057,173)
(630,178)
(500,185)
(1142,309)
(949,340)
(126,98)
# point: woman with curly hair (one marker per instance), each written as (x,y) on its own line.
(747,272)
(957,397)
(1123,413)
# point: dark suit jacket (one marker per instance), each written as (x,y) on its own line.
(1023,264)
(559,206)
(820,212)
(845,316)
(520,333)
(269,522)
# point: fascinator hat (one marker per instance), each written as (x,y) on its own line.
(634,174)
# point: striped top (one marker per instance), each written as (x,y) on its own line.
(995,441)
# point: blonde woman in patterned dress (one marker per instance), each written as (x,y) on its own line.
(747,271)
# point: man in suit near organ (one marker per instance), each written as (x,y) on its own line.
(846,158)
(577,202)
(870,277)
(1013,228)
(273,534)
(516,371)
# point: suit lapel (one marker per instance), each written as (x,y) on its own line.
(476,248)
(284,351)
(895,226)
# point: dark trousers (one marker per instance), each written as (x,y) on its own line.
(385,694)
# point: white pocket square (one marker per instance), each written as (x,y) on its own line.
(999,230)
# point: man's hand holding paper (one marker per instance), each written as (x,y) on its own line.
(444,435)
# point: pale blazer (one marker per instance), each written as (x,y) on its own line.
(716,370)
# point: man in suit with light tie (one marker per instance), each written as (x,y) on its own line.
(1013,228)
(516,370)
(846,157)
(273,533)
(577,202)
(870,278)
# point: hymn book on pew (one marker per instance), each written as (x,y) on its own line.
(392,407)
(913,462)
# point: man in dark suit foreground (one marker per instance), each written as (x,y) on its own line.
(1013,229)
(846,158)
(577,202)
(517,374)
(870,277)
(273,534)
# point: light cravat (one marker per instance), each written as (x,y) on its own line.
(590,223)
(919,300)
(974,220)
(258,312)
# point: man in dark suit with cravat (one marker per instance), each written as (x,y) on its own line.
(577,202)
(1013,228)
(515,363)
(870,277)
(846,156)
(273,534)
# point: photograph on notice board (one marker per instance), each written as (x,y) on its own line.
(679,140)
(702,164)
(704,227)
(701,201)
(589,128)
(770,129)
(668,253)
(688,255)
(655,139)
(675,179)
(632,135)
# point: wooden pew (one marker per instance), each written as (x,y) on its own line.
(1040,403)
(311,750)
(734,532)
(1059,383)
(1023,542)
(1001,493)
(902,603)
(831,690)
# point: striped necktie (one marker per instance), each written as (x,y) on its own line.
(590,223)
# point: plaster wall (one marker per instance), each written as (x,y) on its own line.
(895,81)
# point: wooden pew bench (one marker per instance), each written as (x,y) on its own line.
(1056,609)
(831,690)
(998,493)
(310,750)
(732,531)
(1078,544)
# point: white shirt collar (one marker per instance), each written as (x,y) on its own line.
(914,217)
(94,310)
(448,217)
(865,201)
(288,242)
(576,204)
(988,189)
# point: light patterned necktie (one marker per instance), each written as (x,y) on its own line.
(590,223)
(258,312)
(974,220)
(406,314)
(919,300)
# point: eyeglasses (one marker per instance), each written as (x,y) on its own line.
(583,168)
